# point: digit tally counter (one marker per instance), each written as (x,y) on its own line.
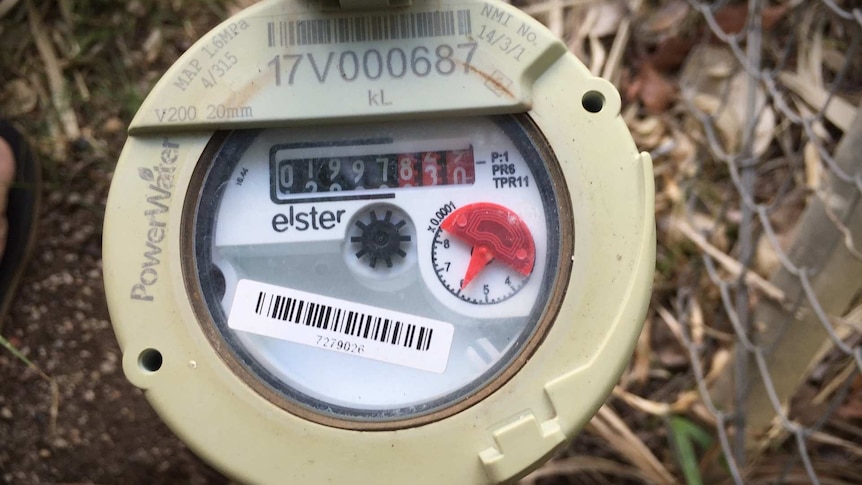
(371,243)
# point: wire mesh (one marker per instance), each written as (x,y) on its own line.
(787,128)
(759,278)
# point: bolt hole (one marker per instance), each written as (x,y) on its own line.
(150,360)
(593,101)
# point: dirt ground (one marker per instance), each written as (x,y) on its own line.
(105,432)
(92,426)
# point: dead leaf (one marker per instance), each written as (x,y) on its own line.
(733,18)
(6,6)
(834,59)
(18,98)
(839,111)
(612,70)
(707,69)
(605,18)
(813,167)
(608,425)
(654,90)
(684,153)
(821,134)
(667,17)
(136,8)
(720,361)
(764,129)
(727,125)
(54,72)
(696,323)
(113,125)
(599,55)
(238,5)
(81,84)
(643,352)
(671,53)
(648,132)
(581,466)
(729,264)
(809,58)
(852,407)
(766,258)
(708,86)
(671,357)
(592,23)
(153,45)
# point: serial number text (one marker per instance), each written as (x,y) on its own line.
(338,344)
(373,64)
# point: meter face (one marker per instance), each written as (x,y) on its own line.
(372,273)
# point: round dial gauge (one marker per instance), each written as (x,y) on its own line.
(371,274)
(492,247)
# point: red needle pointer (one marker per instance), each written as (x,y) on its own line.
(496,233)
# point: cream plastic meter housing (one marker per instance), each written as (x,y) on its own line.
(396,245)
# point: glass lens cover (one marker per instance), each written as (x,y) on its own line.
(378,272)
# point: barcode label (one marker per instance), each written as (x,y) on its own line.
(346,322)
(369,28)
(341,326)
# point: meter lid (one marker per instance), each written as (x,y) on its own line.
(209,239)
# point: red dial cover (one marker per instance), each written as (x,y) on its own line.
(496,234)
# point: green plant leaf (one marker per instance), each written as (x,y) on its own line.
(684,435)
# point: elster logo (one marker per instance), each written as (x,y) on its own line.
(304,221)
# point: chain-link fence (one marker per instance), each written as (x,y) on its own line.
(789,212)
(751,356)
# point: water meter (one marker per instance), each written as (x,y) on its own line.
(378,243)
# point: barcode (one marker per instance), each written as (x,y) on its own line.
(370,332)
(344,321)
(369,28)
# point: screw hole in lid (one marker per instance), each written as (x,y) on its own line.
(150,360)
(593,101)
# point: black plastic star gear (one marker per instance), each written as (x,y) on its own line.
(380,239)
